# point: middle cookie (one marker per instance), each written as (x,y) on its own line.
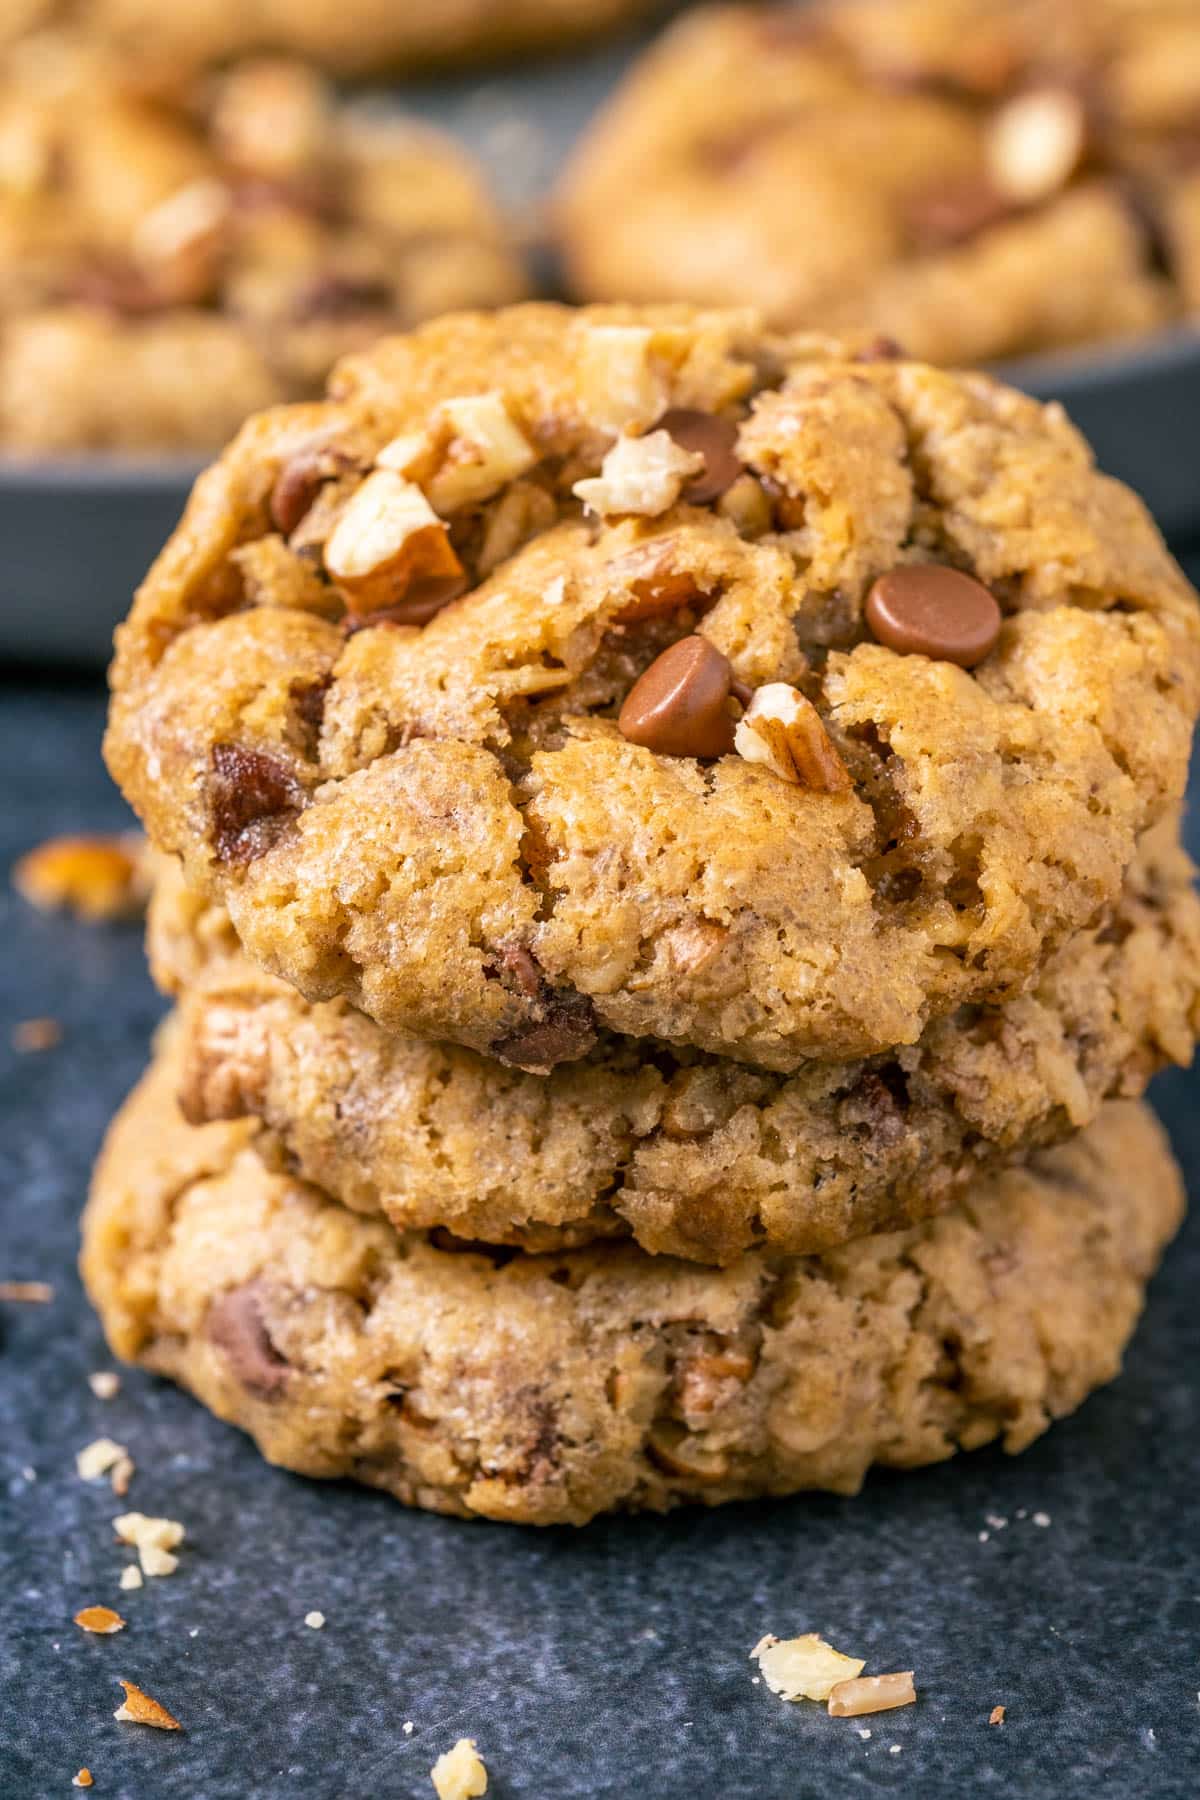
(694,1156)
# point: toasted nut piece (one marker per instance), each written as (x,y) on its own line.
(98,1458)
(459,1774)
(100,1619)
(179,241)
(871,1694)
(387,540)
(676,1451)
(1036,143)
(473,449)
(83,1779)
(155,1540)
(272,118)
(640,475)
(139,1709)
(996,1716)
(783,730)
(803,1668)
(95,877)
(622,385)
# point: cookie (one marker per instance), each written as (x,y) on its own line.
(794,699)
(698,1157)
(350,37)
(169,264)
(549,1389)
(976,178)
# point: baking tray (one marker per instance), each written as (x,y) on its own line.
(79,535)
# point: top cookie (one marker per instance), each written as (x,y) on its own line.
(515,816)
(174,259)
(351,37)
(977,178)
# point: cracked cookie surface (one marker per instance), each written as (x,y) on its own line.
(979,178)
(696,1157)
(173,258)
(377,690)
(548,1389)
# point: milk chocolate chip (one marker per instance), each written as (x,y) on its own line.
(680,705)
(712,437)
(234,1323)
(925,609)
(251,798)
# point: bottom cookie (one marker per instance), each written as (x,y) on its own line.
(547,1389)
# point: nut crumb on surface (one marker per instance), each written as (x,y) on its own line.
(83,1779)
(27,1293)
(138,1708)
(131,1576)
(459,1774)
(315,1620)
(98,1457)
(154,1540)
(871,1694)
(31,1035)
(104,1383)
(997,1715)
(99,1619)
(120,1476)
(408,1728)
(95,877)
(803,1668)
(1041,1519)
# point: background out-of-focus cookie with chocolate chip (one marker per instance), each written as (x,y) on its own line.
(174,257)
(976,178)
(349,37)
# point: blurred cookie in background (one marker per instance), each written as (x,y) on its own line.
(976,178)
(348,37)
(175,256)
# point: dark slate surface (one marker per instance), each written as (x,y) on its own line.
(609,1662)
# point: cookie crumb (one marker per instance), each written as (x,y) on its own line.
(154,1540)
(131,1576)
(139,1708)
(315,1620)
(100,1619)
(804,1668)
(98,1457)
(1041,1519)
(894,1749)
(408,1728)
(871,1694)
(97,878)
(105,1384)
(459,1774)
(83,1779)
(27,1293)
(32,1035)
(996,1716)
(995,1520)
(865,1733)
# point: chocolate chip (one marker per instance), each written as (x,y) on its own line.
(116,286)
(296,487)
(926,609)
(879,349)
(251,798)
(422,602)
(679,706)
(334,296)
(943,216)
(234,1323)
(713,438)
(881,1111)
(563,1030)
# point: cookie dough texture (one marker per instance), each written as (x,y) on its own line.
(977,178)
(172,259)
(694,1156)
(443,823)
(548,1389)
(350,37)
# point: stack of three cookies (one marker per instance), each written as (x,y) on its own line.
(674,890)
